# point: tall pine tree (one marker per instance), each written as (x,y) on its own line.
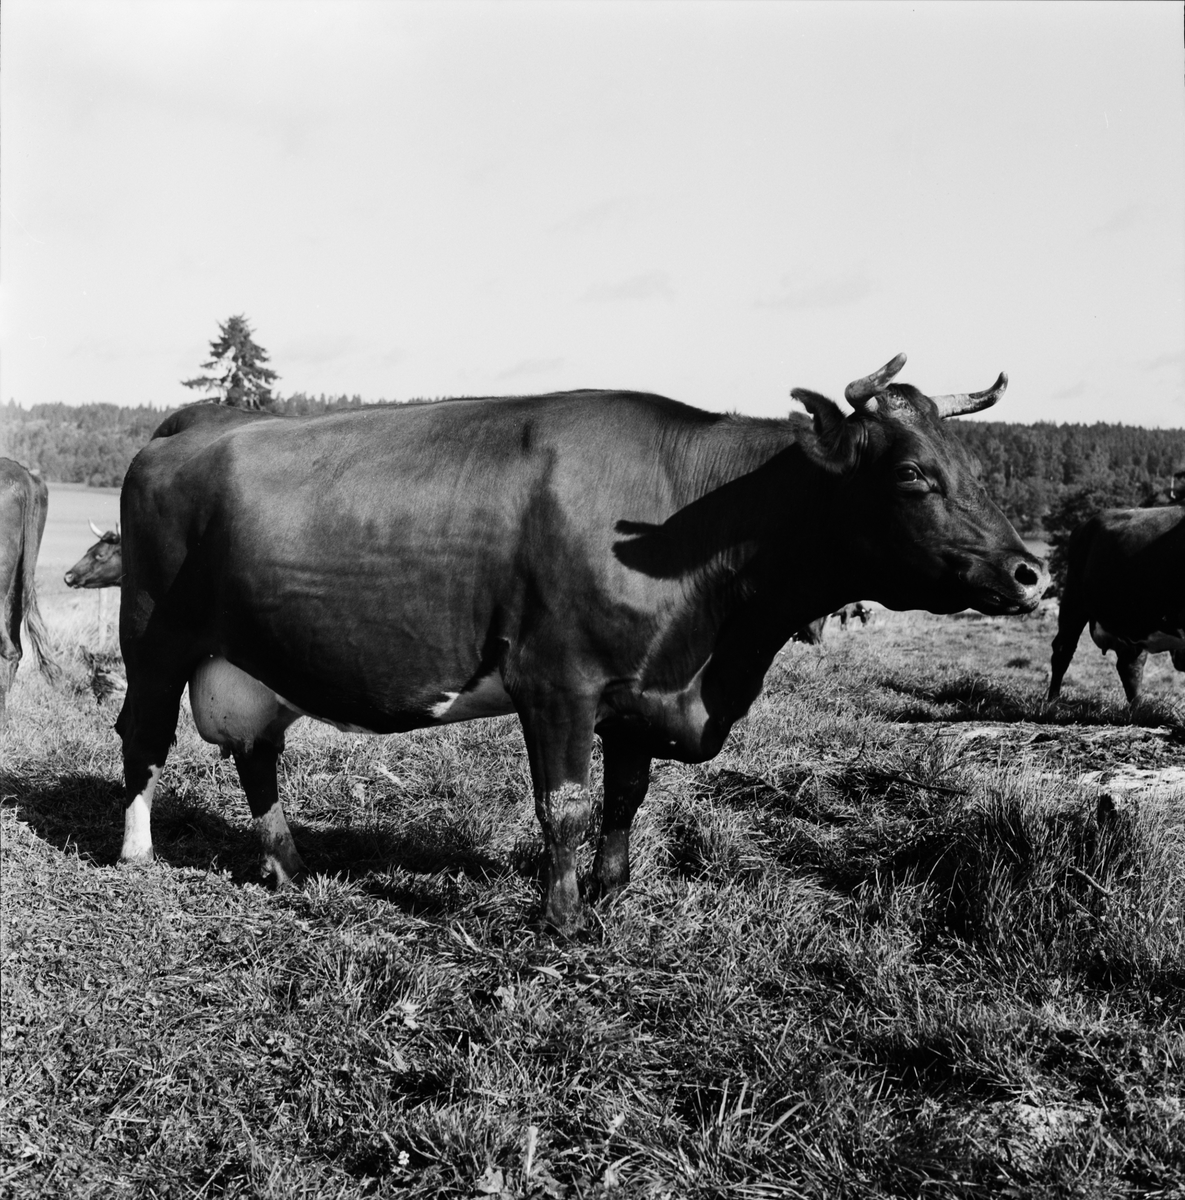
(239,376)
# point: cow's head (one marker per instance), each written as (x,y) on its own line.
(102,565)
(918,525)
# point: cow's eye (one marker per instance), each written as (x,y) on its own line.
(908,473)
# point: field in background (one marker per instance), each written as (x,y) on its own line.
(67,532)
(911,933)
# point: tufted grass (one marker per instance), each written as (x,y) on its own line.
(888,943)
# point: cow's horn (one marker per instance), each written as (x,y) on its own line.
(95,529)
(859,391)
(969,402)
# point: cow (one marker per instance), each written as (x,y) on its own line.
(1125,576)
(853,612)
(811,633)
(24,502)
(600,563)
(102,565)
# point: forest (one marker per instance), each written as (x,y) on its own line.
(1041,475)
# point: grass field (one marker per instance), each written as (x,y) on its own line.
(910,934)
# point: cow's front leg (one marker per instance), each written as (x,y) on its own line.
(1129,662)
(627,777)
(1070,623)
(558,728)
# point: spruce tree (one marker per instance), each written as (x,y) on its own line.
(239,376)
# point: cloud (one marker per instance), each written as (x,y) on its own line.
(652,285)
(840,291)
(1121,219)
(530,366)
(316,348)
(594,218)
(1174,358)
(1070,392)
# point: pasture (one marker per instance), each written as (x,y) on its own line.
(911,933)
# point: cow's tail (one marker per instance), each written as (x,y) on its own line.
(39,640)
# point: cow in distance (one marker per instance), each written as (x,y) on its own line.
(1125,577)
(600,563)
(102,565)
(24,502)
(811,634)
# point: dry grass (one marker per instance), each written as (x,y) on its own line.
(887,944)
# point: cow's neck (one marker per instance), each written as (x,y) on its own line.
(756,551)
(759,531)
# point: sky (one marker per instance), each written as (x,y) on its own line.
(716,202)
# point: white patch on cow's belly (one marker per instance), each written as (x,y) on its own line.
(487,699)
(1155,643)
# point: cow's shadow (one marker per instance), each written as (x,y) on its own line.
(82,813)
(975,698)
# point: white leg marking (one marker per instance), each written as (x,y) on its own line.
(137,823)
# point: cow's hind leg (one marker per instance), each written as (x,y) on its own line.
(257,773)
(242,716)
(627,777)
(1129,662)
(147,724)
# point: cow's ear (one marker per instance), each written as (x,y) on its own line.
(831,428)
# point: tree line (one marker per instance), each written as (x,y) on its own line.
(1041,475)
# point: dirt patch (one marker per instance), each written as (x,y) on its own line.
(1123,758)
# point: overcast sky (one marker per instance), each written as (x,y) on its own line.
(717,202)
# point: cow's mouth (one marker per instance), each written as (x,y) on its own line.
(1014,589)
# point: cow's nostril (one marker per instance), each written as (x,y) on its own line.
(1026,575)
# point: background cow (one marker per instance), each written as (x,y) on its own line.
(811,633)
(600,563)
(853,612)
(1126,577)
(101,566)
(24,501)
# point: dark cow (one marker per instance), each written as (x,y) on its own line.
(24,502)
(1126,577)
(605,563)
(853,612)
(102,565)
(811,633)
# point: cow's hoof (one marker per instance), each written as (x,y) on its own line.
(562,923)
(282,876)
(602,890)
(140,863)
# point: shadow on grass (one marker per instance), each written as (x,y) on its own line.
(976,698)
(84,812)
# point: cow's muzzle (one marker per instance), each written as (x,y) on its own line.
(1015,586)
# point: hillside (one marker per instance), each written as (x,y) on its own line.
(1031,471)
